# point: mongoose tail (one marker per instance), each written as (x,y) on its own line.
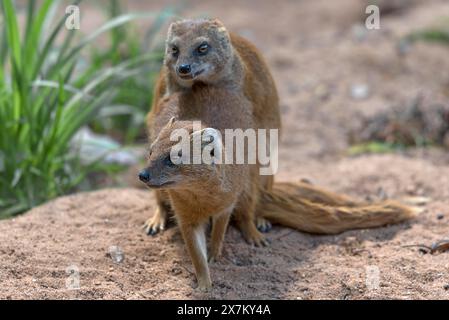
(307,208)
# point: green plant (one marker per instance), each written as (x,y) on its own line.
(374,147)
(437,33)
(430,35)
(126,116)
(45,99)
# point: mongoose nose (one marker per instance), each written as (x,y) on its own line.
(184,69)
(144,176)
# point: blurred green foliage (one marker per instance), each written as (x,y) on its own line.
(125,117)
(46,96)
(374,147)
(438,33)
(430,35)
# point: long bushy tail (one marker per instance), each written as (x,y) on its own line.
(311,209)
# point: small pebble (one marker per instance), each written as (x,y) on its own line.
(446,287)
(176,271)
(116,254)
(162,253)
(360,91)
(440,216)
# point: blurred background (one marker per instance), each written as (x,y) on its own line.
(73,102)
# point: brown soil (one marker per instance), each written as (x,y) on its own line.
(316,56)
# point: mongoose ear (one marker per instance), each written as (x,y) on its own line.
(172,121)
(208,136)
(218,24)
(173,28)
(211,145)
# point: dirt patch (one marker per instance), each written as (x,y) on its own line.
(330,74)
(38,248)
(414,124)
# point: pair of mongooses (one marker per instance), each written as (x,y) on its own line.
(221,79)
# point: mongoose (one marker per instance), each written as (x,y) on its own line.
(200,55)
(200,192)
(220,79)
(205,103)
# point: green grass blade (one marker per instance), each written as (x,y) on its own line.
(12,30)
(114,23)
(49,43)
(33,34)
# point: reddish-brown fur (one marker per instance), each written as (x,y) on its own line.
(239,92)
(198,193)
(240,70)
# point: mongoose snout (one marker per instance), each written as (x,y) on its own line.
(144,176)
(184,69)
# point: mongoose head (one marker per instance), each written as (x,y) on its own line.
(170,162)
(198,51)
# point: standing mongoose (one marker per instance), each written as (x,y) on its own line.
(220,79)
(214,191)
(200,55)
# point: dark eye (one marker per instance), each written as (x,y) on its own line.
(203,49)
(174,50)
(168,162)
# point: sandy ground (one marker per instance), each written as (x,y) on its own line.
(317,52)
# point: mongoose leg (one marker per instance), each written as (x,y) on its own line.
(245,217)
(219,226)
(158,221)
(262,224)
(195,240)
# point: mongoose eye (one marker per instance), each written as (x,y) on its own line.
(168,162)
(174,50)
(203,49)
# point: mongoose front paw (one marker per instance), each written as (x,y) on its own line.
(263,225)
(214,257)
(257,239)
(155,224)
(204,286)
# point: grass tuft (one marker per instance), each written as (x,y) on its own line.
(45,98)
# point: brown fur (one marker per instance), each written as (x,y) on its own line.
(239,92)
(193,205)
(204,191)
(238,69)
(315,210)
